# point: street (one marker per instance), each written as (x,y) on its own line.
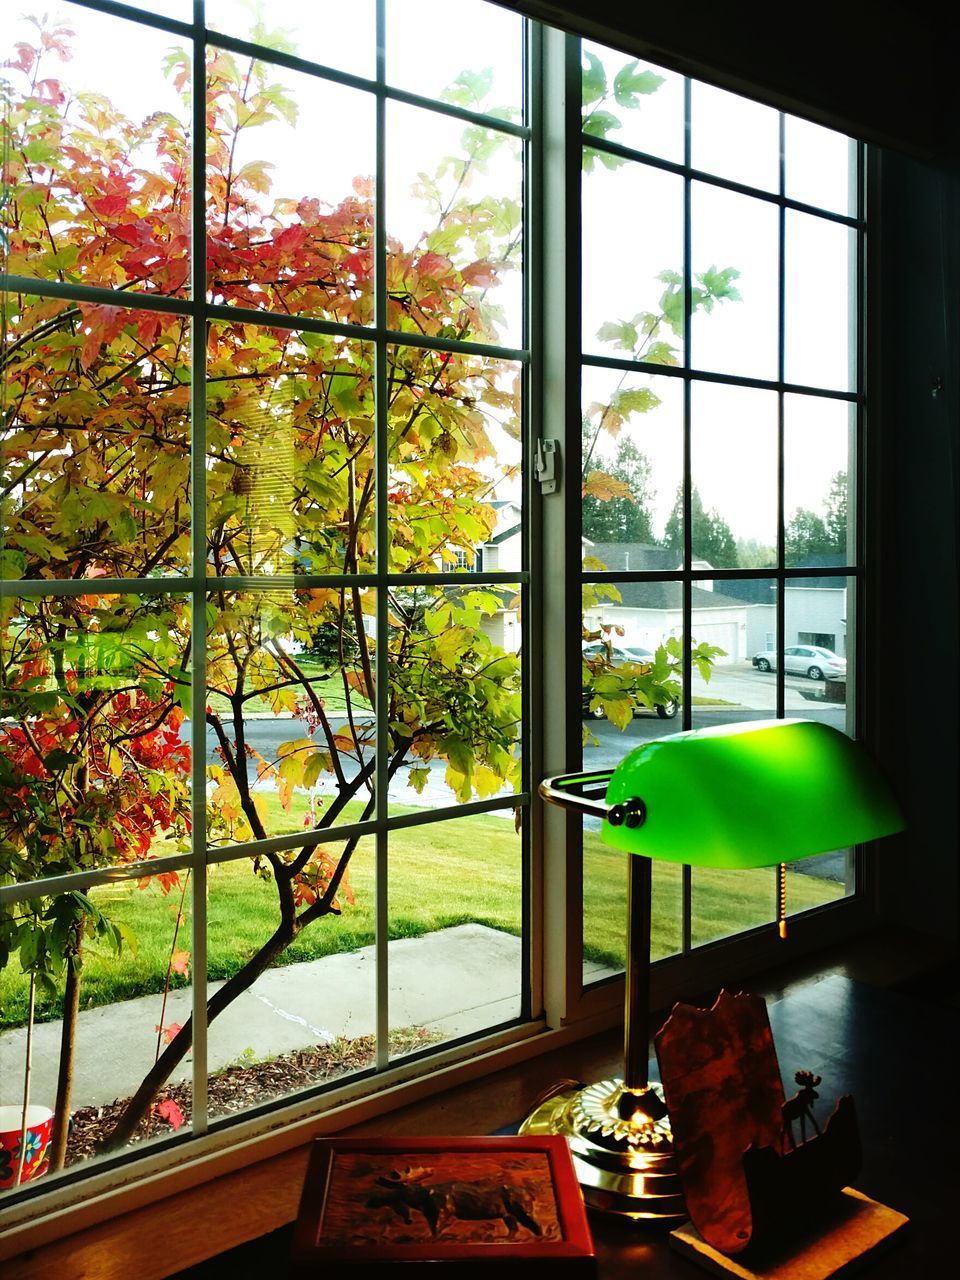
(741,693)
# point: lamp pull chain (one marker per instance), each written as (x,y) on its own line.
(782,898)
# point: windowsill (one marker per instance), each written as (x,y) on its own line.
(268,1187)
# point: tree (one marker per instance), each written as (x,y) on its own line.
(810,535)
(623,516)
(711,539)
(96,482)
(835,520)
(804,536)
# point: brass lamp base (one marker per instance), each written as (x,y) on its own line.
(621,1145)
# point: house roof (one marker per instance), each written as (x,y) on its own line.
(831,560)
(635,557)
(669,595)
(504,535)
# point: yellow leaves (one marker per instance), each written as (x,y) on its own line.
(604,487)
(486,781)
(256,175)
(452,645)
(357,681)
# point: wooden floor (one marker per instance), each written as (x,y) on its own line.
(877,1020)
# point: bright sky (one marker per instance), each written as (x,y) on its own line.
(632,218)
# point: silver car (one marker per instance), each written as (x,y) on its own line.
(616,655)
(804,660)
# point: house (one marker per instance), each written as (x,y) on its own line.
(648,611)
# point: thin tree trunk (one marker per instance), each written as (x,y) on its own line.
(178,1047)
(68,1039)
(27,1070)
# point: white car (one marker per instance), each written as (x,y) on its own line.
(805,660)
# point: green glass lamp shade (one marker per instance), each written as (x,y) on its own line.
(751,794)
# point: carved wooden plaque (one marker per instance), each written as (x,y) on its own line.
(721,1082)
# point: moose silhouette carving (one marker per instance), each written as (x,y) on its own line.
(404,1192)
(799,1109)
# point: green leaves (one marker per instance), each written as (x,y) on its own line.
(593,79)
(469,89)
(630,84)
(717,286)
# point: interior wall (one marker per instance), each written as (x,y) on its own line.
(881,70)
(913,429)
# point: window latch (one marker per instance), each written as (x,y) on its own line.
(547,465)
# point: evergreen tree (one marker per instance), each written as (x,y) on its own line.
(624,515)
(711,537)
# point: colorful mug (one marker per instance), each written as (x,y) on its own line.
(39,1126)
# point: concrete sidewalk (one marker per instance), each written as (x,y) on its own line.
(454,981)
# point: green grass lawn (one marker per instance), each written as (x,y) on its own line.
(440,875)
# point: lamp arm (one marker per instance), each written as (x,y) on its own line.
(585,793)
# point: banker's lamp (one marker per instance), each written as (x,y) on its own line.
(754,794)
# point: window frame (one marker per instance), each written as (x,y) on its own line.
(558,1006)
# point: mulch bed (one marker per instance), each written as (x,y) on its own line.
(242,1086)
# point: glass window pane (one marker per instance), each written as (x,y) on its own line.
(474,62)
(735,268)
(290,737)
(631,656)
(739,617)
(332,34)
(455,957)
(134,977)
(454,218)
(94,741)
(816,659)
(735,138)
(95,450)
(182,10)
(814,882)
(820,166)
(98,156)
(290,429)
(632,440)
(310,1016)
(632,102)
(455,497)
(455,684)
(733,454)
(727,902)
(633,294)
(819,449)
(289,225)
(820,345)
(605,872)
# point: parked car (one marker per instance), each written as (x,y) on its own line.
(618,655)
(804,660)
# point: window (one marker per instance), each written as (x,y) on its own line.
(281,486)
(719,424)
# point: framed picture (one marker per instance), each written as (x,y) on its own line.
(459,1203)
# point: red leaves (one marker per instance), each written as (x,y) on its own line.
(166,880)
(308,210)
(168,1033)
(129,233)
(481,274)
(26,57)
(111,206)
(169,1111)
(180,963)
(101,324)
